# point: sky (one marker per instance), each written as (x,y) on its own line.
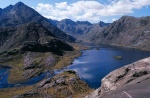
(86,10)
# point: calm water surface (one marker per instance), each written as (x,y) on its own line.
(94,64)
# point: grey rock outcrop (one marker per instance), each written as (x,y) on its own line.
(118,83)
(63,85)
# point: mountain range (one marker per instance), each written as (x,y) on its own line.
(17,14)
(128,31)
(79,29)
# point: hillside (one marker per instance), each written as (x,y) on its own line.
(30,37)
(30,49)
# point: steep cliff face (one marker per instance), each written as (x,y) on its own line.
(121,82)
(127,31)
(17,14)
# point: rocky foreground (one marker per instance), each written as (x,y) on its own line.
(131,81)
(64,85)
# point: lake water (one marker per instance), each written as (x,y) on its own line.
(91,66)
(95,64)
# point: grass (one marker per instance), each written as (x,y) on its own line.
(66,60)
(11,92)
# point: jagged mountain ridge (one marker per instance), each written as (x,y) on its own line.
(78,29)
(128,31)
(17,14)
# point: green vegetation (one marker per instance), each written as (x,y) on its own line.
(11,92)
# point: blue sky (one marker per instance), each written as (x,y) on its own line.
(86,10)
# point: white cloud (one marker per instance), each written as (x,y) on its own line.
(90,10)
(62,5)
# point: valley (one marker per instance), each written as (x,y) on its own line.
(46,58)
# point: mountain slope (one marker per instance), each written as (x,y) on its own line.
(127,31)
(30,37)
(21,14)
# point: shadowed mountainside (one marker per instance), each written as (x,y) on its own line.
(30,37)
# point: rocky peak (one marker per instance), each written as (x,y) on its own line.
(19,4)
(21,14)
